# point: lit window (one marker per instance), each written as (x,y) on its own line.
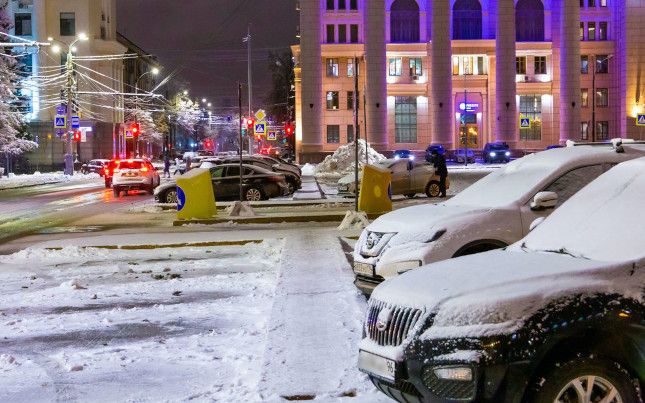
(395,66)
(602,130)
(468,65)
(332,100)
(602,97)
(582,31)
(602,64)
(602,31)
(520,65)
(455,65)
(540,64)
(591,31)
(584,97)
(584,64)
(332,67)
(584,130)
(416,68)
(603,3)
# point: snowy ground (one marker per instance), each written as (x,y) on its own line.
(210,323)
(17,181)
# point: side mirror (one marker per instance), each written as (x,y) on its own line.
(535,223)
(544,200)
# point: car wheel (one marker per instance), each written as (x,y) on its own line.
(433,189)
(587,380)
(410,195)
(291,187)
(117,192)
(150,189)
(253,194)
(108,183)
(171,196)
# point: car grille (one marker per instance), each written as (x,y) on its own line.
(401,322)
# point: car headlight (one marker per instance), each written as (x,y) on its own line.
(411,157)
(492,154)
(375,242)
(396,157)
(464,374)
(507,153)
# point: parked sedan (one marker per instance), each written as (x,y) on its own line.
(462,155)
(403,154)
(258,184)
(95,166)
(434,147)
(292,176)
(408,178)
(556,317)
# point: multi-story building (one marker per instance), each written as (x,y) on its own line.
(101,114)
(529,72)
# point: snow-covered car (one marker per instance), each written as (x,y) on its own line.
(556,317)
(492,213)
(408,178)
(137,174)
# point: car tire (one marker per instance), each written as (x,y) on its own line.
(117,192)
(565,380)
(433,189)
(170,196)
(291,187)
(253,194)
(108,184)
(150,189)
(410,195)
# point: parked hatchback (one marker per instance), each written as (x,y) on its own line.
(134,174)
(257,184)
(492,213)
(556,317)
(496,152)
(464,155)
(95,166)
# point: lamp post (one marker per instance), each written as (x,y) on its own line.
(69,85)
(593,94)
(154,72)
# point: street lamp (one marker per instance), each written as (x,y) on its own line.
(593,94)
(69,73)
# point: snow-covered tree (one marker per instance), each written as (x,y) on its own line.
(149,131)
(187,113)
(14,139)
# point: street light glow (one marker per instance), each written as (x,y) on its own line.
(204,100)
(50,39)
(56,49)
(185,92)
(83,36)
(210,104)
(155,71)
(74,49)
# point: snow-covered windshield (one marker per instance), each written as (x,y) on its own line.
(601,222)
(506,185)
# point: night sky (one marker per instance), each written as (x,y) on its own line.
(203,38)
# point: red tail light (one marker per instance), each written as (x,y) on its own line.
(116,170)
(143,169)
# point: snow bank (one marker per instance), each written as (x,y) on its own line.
(354,220)
(341,162)
(18,181)
(308,169)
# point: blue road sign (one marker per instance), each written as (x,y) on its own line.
(76,122)
(525,123)
(260,128)
(181,198)
(60,122)
(640,119)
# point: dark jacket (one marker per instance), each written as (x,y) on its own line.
(440,165)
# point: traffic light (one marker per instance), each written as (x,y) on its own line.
(288,129)
(249,124)
(77,136)
(208,144)
(135,129)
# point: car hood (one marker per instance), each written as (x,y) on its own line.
(423,221)
(495,292)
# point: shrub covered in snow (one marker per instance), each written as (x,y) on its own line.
(341,162)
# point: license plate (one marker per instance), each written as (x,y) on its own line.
(377,365)
(364,268)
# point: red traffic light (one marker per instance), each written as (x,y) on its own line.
(208,144)
(288,129)
(77,136)
(135,129)
(249,124)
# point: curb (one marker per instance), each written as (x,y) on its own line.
(332,217)
(170,245)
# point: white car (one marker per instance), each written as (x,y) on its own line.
(134,174)
(492,213)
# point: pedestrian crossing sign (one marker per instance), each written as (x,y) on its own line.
(60,122)
(640,119)
(271,135)
(260,128)
(525,123)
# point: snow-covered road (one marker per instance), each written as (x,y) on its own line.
(244,323)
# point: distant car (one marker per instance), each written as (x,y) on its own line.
(95,166)
(496,152)
(556,317)
(408,178)
(552,146)
(403,154)
(134,174)
(462,155)
(283,164)
(438,147)
(291,174)
(258,184)
(108,171)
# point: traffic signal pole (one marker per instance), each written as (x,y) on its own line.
(241,120)
(69,157)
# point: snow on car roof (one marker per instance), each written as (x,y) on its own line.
(523,176)
(602,222)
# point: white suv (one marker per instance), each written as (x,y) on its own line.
(134,174)
(492,213)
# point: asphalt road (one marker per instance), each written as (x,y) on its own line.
(55,207)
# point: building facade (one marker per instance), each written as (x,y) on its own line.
(530,73)
(101,115)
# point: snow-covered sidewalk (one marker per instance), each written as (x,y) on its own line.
(18,181)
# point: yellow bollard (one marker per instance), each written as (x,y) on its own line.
(374,195)
(195,195)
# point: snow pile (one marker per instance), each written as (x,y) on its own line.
(17,181)
(240,209)
(7,362)
(341,162)
(354,220)
(73,284)
(308,169)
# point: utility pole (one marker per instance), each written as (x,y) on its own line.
(465,120)
(247,39)
(355,135)
(239,101)
(69,71)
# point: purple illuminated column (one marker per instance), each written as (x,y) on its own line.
(375,84)
(570,70)
(442,104)
(505,106)
(311,74)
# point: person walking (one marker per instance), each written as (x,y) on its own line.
(177,162)
(166,166)
(441,170)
